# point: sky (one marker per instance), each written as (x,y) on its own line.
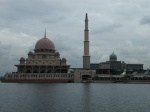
(119,26)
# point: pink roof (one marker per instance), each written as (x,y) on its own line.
(45,43)
(30,53)
(22,58)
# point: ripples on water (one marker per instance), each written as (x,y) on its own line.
(74,97)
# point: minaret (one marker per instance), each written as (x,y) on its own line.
(86,57)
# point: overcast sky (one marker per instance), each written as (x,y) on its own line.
(119,26)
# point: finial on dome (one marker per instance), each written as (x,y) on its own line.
(45,33)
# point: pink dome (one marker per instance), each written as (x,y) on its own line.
(30,53)
(57,54)
(63,59)
(22,59)
(44,43)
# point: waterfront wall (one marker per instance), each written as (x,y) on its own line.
(23,76)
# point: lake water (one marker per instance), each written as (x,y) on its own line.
(74,97)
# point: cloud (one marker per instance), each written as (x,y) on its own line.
(106,29)
(13,45)
(145,20)
(72,51)
(53,20)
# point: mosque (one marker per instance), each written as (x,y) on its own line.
(44,65)
(45,59)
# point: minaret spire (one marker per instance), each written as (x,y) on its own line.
(86,21)
(86,57)
(86,17)
(45,33)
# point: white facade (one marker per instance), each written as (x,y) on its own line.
(82,75)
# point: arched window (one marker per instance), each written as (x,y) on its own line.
(43,56)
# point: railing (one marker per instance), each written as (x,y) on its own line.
(39,76)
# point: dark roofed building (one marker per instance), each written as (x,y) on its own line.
(113,66)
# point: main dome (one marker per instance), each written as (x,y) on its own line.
(44,44)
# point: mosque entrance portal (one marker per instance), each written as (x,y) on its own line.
(86,77)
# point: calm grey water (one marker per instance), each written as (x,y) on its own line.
(72,97)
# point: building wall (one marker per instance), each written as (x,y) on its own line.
(43,62)
(44,59)
(42,69)
(79,73)
(105,65)
(94,66)
(131,67)
(116,65)
(39,76)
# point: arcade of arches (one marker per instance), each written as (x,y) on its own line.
(42,69)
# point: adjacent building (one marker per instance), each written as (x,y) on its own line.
(113,66)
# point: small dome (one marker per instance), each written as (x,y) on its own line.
(30,53)
(113,56)
(22,59)
(57,54)
(44,44)
(63,59)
